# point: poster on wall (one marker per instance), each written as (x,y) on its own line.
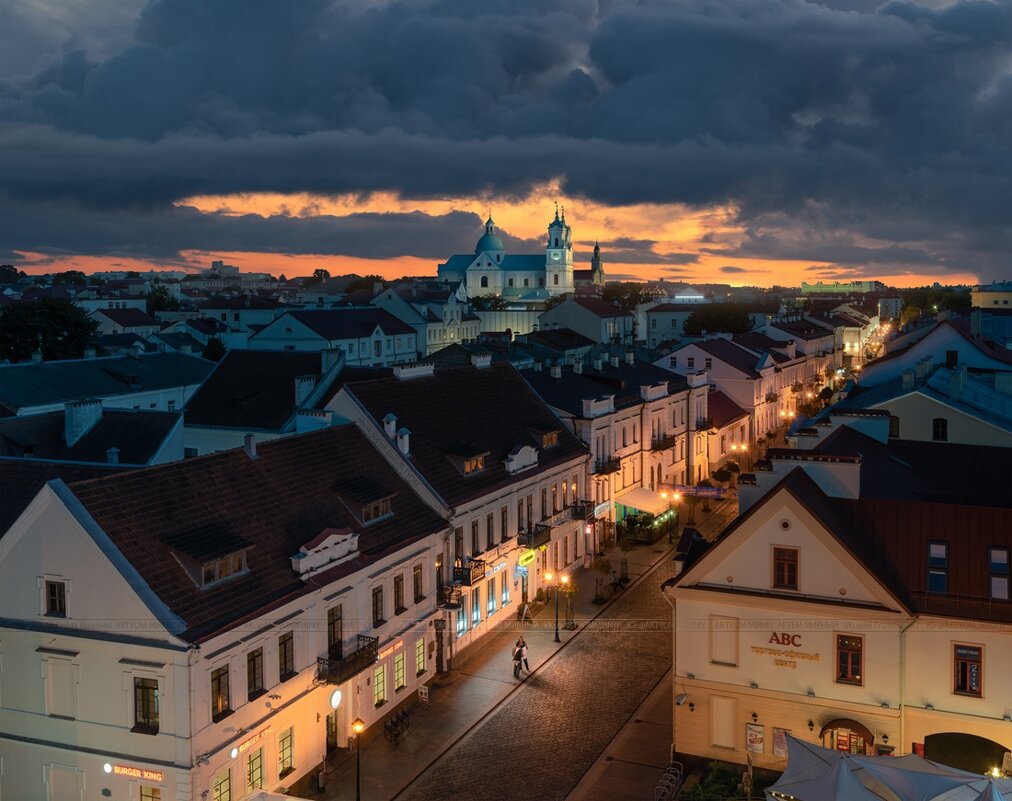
(780,742)
(842,740)
(755,738)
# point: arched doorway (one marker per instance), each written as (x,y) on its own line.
(847,735)
(964,751)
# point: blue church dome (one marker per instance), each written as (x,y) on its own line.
(489,240)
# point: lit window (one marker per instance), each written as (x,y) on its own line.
(474,465)
(399,680)
(967,669)
(286,752)
(419,656)
(848,659)
(220,703)
(221,569)
(490,606)
(376,510)
(379,685)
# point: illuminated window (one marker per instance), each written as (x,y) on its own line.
(220,703)
(221,569)
(967,669)
(286,752)
(399,680)
(462,614)
(151,794)
(848,659)
(475,607)
(379,686)
(255,770)
(221,786)
(490,604)
(374,511)
(474,464)
(419,656)
(504,593)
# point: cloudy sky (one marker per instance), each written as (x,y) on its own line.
(741,141)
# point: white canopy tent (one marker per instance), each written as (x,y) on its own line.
(820,774)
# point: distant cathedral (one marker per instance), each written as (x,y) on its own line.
(524,278)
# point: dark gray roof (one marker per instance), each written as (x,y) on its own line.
(40,383)
(624,382)
(350,323)
(131,318)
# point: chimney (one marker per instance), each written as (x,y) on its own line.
(556,371)
(79,417)
(614,360)
(578,367)
(331,356)
(630,357)
(537,367)
(908,380)
(404,441)
(957,382)
(390,425)
(112,456)
(250,446)
(303,387)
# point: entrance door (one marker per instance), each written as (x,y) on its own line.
(332,731)
(523,588)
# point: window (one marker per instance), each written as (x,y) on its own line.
(458,544)
(255,673)
(374,511)
(490,604)
(220,704)
(894,426)
(674,362)
(145,706)
(190,453)
(565,494)
(484,282)
(419,656)
(286,752)
(555,279)
(255,770)
(938,567)
(221,786)
(172,405)
(151,793)
(399,680)
(504,523)
(527,282)
(544,503)
(286,655)
(708,363)
(967,669)
(848,659)
(416,580)
(399,594)
(56,598)
(691,362)
(940,429)
(475,549)
(379,685)
(377,607)
(335,632)
(220,569)
(785,568)
(475,607)
(489,531)
(504,590)
(998,562)
(462,615)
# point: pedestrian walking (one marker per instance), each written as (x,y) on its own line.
(522,646)
(525,612)
(517,662)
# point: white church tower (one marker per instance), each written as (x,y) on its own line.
(559,256)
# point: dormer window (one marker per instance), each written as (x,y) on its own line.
(474,465)
(220,569)
(468,458)
(550,439)
(376,510)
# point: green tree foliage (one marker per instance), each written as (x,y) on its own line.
(214,349)
(365,282)
(63,329)
(723,475)
(729,318)
(70,277)
(932,299)
(623,294)
(9,274)
(319,274)
(554,301)
(159,299)
(488,302)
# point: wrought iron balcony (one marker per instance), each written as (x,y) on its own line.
(448,597)
(772,397)
(536,536)
(471,572)
(339,670)
(583,510)
(664,443)
(704,423)
(605,466)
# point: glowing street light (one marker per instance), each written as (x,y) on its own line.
(358,726)
(560,582)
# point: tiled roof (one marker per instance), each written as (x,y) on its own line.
(137,435)
(491,407)
(275,503)
(252,389)
(676,307)
(241,302)
(38,383)
(802,329)
(22,479)
(334,324)
(732,355)
(131,318)
(600,307)
(560,339)
(722,410)
(624,382)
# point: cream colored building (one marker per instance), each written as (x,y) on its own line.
(843,611)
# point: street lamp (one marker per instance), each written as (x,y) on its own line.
(358,726)
(561,582)
(672,498)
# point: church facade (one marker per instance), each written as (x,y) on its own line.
(522,278)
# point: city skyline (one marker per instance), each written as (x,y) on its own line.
(744,143)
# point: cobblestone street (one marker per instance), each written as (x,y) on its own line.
(544,737)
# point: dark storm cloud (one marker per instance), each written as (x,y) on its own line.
(895,125)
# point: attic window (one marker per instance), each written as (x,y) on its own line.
(475,464)
(376,510)
(218,570)
(550,438)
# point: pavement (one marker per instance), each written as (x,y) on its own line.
(483,731)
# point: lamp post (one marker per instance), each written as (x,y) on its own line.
(672,498)
(358,726)
(559,583)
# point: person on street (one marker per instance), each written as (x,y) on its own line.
(517,661)
(522,645)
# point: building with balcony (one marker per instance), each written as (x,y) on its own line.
(860,601)
(488,455)
(211,627)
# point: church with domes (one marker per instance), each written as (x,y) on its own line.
(521,278)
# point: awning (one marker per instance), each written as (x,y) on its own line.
(643,499)
(851,725)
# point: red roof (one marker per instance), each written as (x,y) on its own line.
(722,410)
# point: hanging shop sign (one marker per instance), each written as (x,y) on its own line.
(526,558)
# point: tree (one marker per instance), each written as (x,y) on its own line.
(554,301)
(159,299)
(63,329)
(319,275)
(365,282)
(625,295)
(489,302)
(72,277)
(909,313)
(733,468)
(722,474)
(826,394)
(729,318)
(214,349)
(9,274)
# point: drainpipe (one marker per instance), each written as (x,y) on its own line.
(903,683)
(674,671)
